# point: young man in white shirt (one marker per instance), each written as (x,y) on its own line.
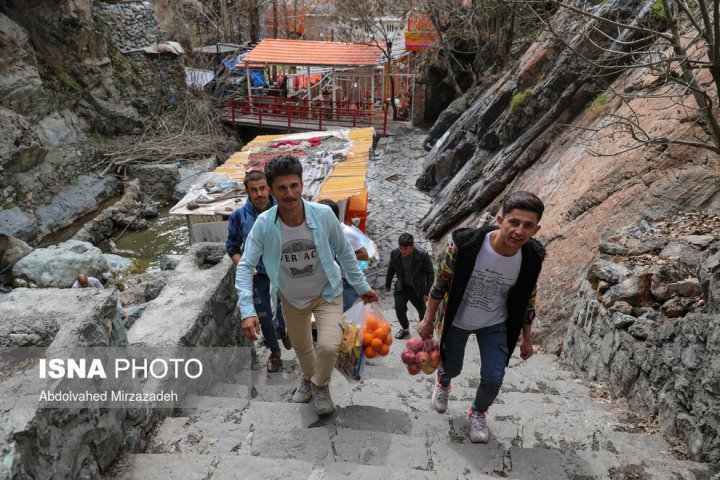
(485,284)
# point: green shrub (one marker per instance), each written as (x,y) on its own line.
(519,99)
(601,104)
(659,9)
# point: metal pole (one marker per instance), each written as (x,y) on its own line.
(247,73)
(412,102)
(333,92)
(309,91)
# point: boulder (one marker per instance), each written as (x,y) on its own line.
(620,320)
(662,275)
(701,241)
(117,264)
(58,265)
(634,290)
(76,200)
(610,272)
(642,328)
(16,223)
(709,273)
(11,250)
(686,288)
(681,251)
(610,248)
(677,307)
(170,262)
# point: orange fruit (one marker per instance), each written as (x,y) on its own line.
(379,333)
(376,343)
(367,339)
(370,352)
(384,350)
(371,323)
(384,328)
(388,339)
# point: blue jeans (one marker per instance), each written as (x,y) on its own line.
(492,342)
(263,308)
(349,295)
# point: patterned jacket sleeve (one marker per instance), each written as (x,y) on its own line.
(444,272)
(530,312)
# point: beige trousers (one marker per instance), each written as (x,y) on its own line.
(315,364)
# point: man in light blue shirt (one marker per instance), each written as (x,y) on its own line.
(299,242)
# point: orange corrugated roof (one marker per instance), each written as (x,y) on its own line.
(301,52)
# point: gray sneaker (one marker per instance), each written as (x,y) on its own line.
(323,400)
(478,427)
(303,394)
(440,396)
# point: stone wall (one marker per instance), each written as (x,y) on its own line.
(196,308)
(62,443)
(647,324)
(133,24)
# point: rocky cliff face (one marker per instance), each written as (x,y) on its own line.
(65,76)
(529,129)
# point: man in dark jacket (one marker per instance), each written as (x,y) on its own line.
(239,226)
(414,270)
(485,284)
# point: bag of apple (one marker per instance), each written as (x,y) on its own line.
(421,355)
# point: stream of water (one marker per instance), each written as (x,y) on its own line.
(166,235)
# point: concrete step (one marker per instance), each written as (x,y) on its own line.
(230,467)
(169,466)
(230,390)
(183,436)
(215,409)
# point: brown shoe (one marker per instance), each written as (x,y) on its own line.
(274,362)
(283,336)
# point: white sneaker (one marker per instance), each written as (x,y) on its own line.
(440,396)
(479,432)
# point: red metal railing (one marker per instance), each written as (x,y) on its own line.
(274,112)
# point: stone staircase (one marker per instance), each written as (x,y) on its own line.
(544,425)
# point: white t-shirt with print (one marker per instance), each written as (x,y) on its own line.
(302,278)
(485,301)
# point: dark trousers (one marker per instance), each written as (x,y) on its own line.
(492,342)
(402,297)
(263,308)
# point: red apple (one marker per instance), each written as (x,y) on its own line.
(415,344)
(427,369)
(435,358)
(407,356)
(423,358)
(413,369)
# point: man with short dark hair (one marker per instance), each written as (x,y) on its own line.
(485,284)
(300,243)
(361,253)
(239,225)
(414,270)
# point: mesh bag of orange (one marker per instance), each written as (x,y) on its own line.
(375,332)
(366,333)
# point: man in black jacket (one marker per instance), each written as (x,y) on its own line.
(414,270)
(485,284)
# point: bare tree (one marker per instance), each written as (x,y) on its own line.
(378,19)
(476,37)
(676,41)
